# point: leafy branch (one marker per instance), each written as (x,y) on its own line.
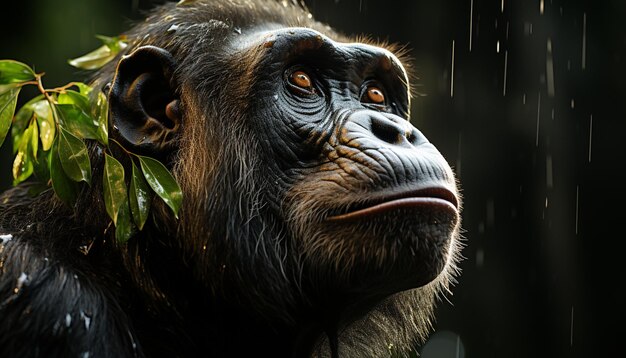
(49,133)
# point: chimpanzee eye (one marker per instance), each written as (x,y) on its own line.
(301,82)
(373,95)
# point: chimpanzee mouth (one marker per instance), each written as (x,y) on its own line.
(434,199)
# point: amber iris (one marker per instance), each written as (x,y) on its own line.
(375,95)
(301,79)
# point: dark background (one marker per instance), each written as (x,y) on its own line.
(538,150)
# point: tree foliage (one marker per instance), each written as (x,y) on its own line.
(50,132)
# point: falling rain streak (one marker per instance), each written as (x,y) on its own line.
(576,219)
(590,132)
(452,73)
(550,69)
(471,22)
(506,60)
(538,116)
(549,180)
(571,330)
(584,49)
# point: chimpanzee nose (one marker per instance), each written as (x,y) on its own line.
(385,127)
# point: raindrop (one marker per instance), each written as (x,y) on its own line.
(132,340)
(5,238)
(20,282)
(502,6)
(498,46)
(541,7)
(572,103)
(86,318)
(68,320)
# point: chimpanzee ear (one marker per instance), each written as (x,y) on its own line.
(143,104)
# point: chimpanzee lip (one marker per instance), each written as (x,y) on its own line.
(434,198)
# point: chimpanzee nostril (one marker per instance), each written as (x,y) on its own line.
(415,137)
(386,130)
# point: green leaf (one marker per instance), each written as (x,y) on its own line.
(42,166)
(114,187)
(74,157)
(22,167)
(139,195)
(45,119)
(95,59)
(115,44)
(124,229)
(21,121)
(8,102)
(34,139)
(77,121)
(101,113)
(73,97)
(83,89)
(23,163)
(14,72)
(162,182)
(64,188)
(102,55)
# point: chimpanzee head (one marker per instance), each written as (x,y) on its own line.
(310,198)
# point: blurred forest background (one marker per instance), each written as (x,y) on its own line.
(526,99)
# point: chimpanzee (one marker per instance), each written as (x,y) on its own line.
(316,220)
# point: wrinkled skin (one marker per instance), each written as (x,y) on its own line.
(317,221)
